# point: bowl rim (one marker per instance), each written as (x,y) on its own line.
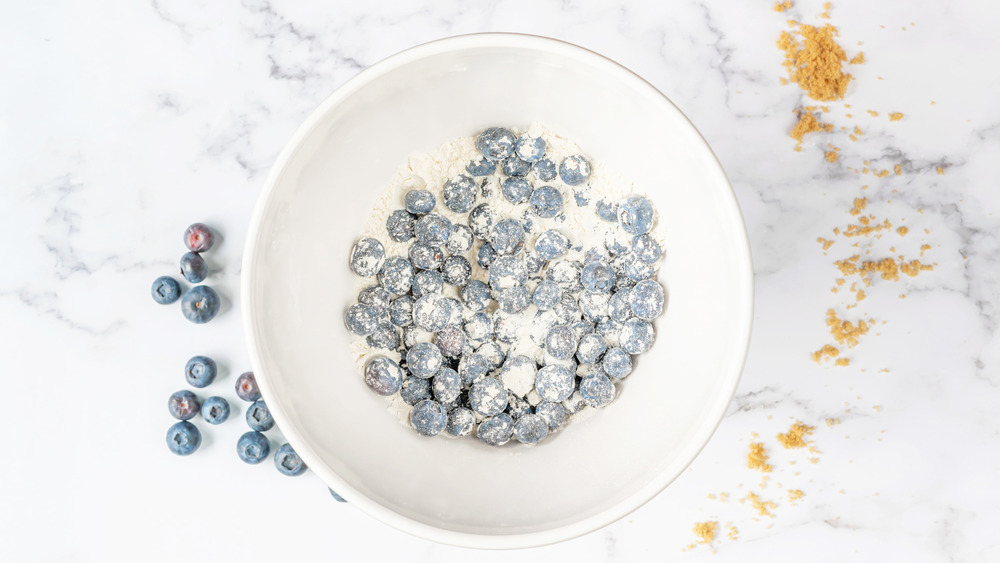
(331,479)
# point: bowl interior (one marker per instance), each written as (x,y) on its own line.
(297,287)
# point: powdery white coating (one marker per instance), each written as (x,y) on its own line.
(518,375)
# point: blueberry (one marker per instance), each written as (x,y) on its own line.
(193,267)
(609,328)
(431,312)
(425,257)
(456,270)
(183,405)
(560,342)
(533,262)
(288,462)
(486,255)
(594,305)
(574,170)
(633,268)
(451,341)
(513,299)
(547,295)
(646,248)
(566,274)
(617,363)
(198,237)
(396,276)
(597,276)
(481,221)
(385,336)
(555,383)
(460,193)
(591,348)
(488,396)
(412,335)
(383,375)
(461,421)
(376,297)
(597,390)
(513,166)
(544,170)
(424,360)
(529,148)
(496,143)
(636,215)
(475,295)
(200,304)
(259,417)
(367,257)
(531,429)
(636,336)
(165,290)
(446,385)
(477,327)
(215,410)
(507,237)
(253,447)
(399,225)
(616,240)
(516,190)
(428,418)
(647,299)
(335,496)
(607,210)
(419,202)
(567,310)
(361,319)
(460,240)
(472,367)
(200,371)
(554,414)
(432,229)
(492,352)
(507,271)
(546,202)
(183,438)
(481,166)
(496,431)
(415,390)
(595,255)
(401,311)
(246,387)
(505,326)
(551,245)
(620,306)
(580,195)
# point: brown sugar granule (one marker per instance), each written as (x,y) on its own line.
(861,295)
(895,116)
(763,507)
(883,174)
(859,205)
(827,351)
(898,169)
(807,123)
(859,58)
(846,332)
(826,11)
(827,243)
(757,458)
(902,231)
(842,362)
(795,437)
(913,267)
(831,422)
(923,248)
(940,170)
(795,494)
(831,156)
(705,531)
(873,113)
(782,6)
(866,228)
(732,532)
(814,61)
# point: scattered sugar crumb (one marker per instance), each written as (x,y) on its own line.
(705,531)
(940,170)
(842,362)
(827,351)
(757,458)
(763,507)
(895,116)
(795,494)
(795,437)
(827,243)
(873,113)
(782,6)
(814,60)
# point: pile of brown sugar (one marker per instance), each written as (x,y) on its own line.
(815,61)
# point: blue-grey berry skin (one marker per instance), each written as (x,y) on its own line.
(460,193)
(533,262)
(383,376)
(183,438)
(647,299)
(481,166)
(554,414)
(446,385)
(253,447)
(507,237)
(215,410)
(617,363)
(582,328)
(591,348)
(617,241)
(560,342)
(471,367)
(547,295)
(594,305)
(461,421)
(428,418)
(630,268)
(607,210)
(544,169)
(451,341)
(183,405)
(555,383)
(477,327)
(425,257)
(546,202)
(580,195)
(200,371)
(246,387)
(574,170)
(530,149)
(401,311)
(566,274)
(507,271)
(597,276)
(516,190)
(636,336)
(531,429)
(361,319)
(597,390)
(399,225)
(481,220)
(377,298)
(367,257)
(486,255)
(513,166)
(475,295)
(488,397)
(551,244)
(165,290)
(385,336)
(193,267)
(505,326)
(427,281)
(335,496)
(496,430)
(200,304)
(424,360)
(567,310)
(496,143)
(396,276)
(287,462)
(620,306)
(431,312)
(513,299)
(419,202)
(492,352)
(259,417)
(609,328)
(415,390)
(596,255)
(460,240)
(636,215)
(433,229)
(456,270)
(646,248)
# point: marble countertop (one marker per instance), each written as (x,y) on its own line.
(120,126)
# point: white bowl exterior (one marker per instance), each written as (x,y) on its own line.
(297,286)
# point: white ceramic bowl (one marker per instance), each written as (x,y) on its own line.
(297,285)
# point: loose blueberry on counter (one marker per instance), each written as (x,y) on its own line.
(460,240)
(253,447)
(335,496)
(475,295)
(591,348)
(424,359)
(531,429)
(486,255)
(487,396)
(617,363)
(165,290)
(647,299)
(361,319)
(636,336)
(646,248)
(551,245)
(200,371)
(428,418)
(456,270)
(183,438)
(288,462)
(481,166)
(507,271)
(471,367)
(385,336)
(597,390)
(529,148)
(554,414)
(431,312)
(560,342)
(246,387)
(616,240)
(636,215)
(478,327)
(193,267)
(401,311)
(383,375)
(607,210)
(620,306)
(496,143)
(496,431)
(460,193)
(446,385)
(461,421)
(555,383)
(215,410)
(415,390)
(574,170)
(183,405)
(547,295)
(451,341)
(367,257)
(259,417)
(514,167)
(481,221)
(376,297)
(546,202)
(516,190)
(200,304)
(432,229)
(544,170)
(427,281)
(507,237)
(425,257)
(492,352)
(594,305)
(198,237)
(396,276)
(399,225)
(597,276)
(419,202)
(513,299)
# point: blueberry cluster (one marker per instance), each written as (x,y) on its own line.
(456,368)
(201,303)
